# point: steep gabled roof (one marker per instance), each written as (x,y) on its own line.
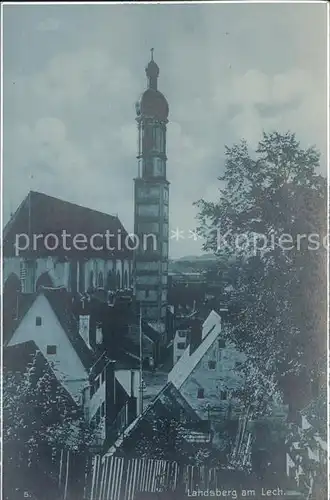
(188,362)
(43,214)
(19,358)
(167,404)
(13,314)
(60,302)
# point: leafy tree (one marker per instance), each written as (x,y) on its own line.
(277,283)
(39,420)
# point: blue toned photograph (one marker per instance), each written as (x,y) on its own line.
(164,250)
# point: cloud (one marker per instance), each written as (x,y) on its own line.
(49,24)
(69,116)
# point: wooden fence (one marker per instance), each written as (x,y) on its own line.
(118,478)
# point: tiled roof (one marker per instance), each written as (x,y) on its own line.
(60,301)
(186,364)
(43,214)
(19,357)
(168,404)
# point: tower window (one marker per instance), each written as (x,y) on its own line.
(51,349)
(38,321)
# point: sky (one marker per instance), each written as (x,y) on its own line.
(72,75)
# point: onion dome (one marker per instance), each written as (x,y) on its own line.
(152,102)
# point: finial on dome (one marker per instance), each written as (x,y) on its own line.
(152,72)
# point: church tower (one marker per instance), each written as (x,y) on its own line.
(151,200)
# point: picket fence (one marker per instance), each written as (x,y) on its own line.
(117,478)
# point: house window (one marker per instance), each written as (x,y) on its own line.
(181,345)
(38,321)
(51,349)
(221,343)
(223,395)
(103,409)
(212,365)
(147,294)
(100,281)
(200,393)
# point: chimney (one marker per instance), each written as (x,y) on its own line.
(195,335)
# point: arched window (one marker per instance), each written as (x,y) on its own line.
(91,279)
(118,281)
(125,279)
(100,281)
(110,281)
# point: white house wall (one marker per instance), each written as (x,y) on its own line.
(66,364)
(96,401)
(224,378)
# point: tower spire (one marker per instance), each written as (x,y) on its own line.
(152,72)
